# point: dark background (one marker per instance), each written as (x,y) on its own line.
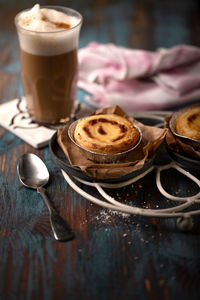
(147,24)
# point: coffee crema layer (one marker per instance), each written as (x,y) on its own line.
(48,31)
(106,133)
(50,85)
(45,20)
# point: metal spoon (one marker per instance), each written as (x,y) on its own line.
(34,174)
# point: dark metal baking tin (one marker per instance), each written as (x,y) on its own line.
(62,162)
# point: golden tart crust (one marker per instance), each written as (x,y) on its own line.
(188,123)
(106,133)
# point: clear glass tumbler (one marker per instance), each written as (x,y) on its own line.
(49,68)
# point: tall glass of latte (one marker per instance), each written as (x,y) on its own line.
(48,38)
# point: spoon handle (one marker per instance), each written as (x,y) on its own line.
(59,227)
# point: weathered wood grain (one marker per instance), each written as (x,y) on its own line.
(114,256)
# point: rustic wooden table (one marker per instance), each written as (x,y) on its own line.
(113,256)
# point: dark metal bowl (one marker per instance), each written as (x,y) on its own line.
(62,162)
(191,164)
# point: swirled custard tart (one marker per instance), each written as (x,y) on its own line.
(188,123)
(106,133)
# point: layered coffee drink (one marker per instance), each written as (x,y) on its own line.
(48,39)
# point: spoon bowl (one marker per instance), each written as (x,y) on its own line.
(32,171)
(34,174)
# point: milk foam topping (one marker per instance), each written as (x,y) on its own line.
(48,31)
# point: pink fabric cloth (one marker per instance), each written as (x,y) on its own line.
(139,79)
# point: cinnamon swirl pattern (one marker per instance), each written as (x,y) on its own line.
(106,133)
(188,123)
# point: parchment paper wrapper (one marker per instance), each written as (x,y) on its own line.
(177,145)
(152,137)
